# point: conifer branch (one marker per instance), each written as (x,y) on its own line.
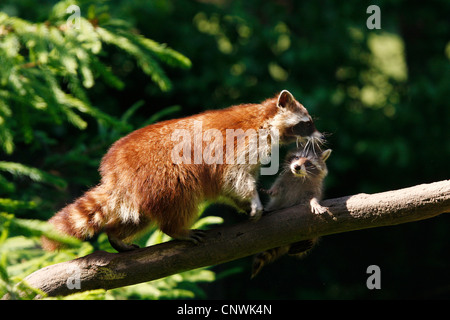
(111,270)
(48,68)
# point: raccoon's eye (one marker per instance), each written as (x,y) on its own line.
(308,163)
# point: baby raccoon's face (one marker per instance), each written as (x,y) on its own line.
(309,165)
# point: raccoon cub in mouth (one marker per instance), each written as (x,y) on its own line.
(300,182)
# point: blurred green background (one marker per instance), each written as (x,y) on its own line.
(381,95)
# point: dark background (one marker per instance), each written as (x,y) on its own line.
(381,95)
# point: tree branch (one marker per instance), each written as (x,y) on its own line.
(111,270)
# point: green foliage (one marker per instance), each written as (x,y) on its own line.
(34,174)
(21,255)
(178,286)
(47,67)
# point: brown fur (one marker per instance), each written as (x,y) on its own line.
(141,184)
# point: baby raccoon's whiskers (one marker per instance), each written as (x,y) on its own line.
(312,174)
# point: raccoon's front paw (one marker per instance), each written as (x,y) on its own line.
(318,209)
(271,192)
(256,208)
(256,211)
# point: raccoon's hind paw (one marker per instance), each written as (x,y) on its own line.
(256,268)
(195,236)
(121,246)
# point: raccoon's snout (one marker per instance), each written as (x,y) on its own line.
(317,135)
(306,129)
(298,170)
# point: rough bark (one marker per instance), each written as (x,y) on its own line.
(111,270)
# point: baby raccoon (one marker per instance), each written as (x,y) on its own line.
(300,182)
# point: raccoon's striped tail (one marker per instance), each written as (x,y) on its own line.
(297,249)
(81,219)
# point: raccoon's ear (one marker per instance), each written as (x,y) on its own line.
(324,156)
(285,99)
